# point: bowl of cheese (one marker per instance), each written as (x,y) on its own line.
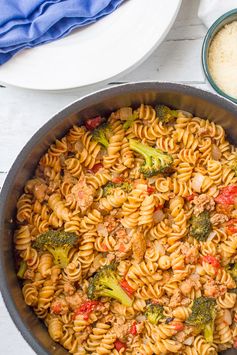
(219,55)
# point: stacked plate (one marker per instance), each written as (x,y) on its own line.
(97,52)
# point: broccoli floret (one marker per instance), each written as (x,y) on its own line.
(127,124)
(203,316)
(201,226)
(101,133)
(105,283)
(154,312)
(58,243)
(165,114)
(156,161)
(233,166)
(232,269)
(22,269)
(111,186)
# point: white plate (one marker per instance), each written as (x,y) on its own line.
(97,52)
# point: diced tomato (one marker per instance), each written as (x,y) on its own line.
(124,284)
(86,308)
(212,260)
(227,195)
(96,168)
(122,248)
(190,197)
(133,329)
(92,123)
(178,326)
(56,308)
(118,179)
(232,226)
(150,190)
(119,345)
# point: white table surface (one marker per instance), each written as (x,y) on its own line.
(22,112)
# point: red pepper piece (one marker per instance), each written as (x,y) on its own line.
(56,308)
(178,326)
(92,123)
(227,195)
(104,247)
(133,329)
(150,190)
(86,308)
(119,345)
(232,226)
(118,179)
(212,260)
(96,168)
(122,248)
(190,197)
(158,207)
(124,284)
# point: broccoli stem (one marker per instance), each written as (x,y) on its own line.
(208,333)
(146,151)
(22,269)
(118,293)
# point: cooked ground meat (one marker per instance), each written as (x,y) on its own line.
(203,202)
(218,218)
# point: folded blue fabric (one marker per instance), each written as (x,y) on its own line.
(28,23)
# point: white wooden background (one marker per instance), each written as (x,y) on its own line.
(178,59)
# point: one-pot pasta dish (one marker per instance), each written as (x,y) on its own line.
(126,239)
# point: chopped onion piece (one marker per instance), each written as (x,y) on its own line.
(227,317)
(197,182)
(140,318)
(189,341)
(79,146)
(216,153)
(160,249)
(152,180)
(158,216)
(125,113)
(211,235)
(102,230)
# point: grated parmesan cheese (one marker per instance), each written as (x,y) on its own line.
(222,59)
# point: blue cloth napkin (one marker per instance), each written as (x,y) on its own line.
(28,23)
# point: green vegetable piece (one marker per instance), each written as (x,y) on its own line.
(111,186)
(156,161)
(105,283)
(101,134)
(233,166)
(232,269)
(154,313)
(203,316)
(165,114)
(127,124)
(22,269)
(58,243)
(201,226)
